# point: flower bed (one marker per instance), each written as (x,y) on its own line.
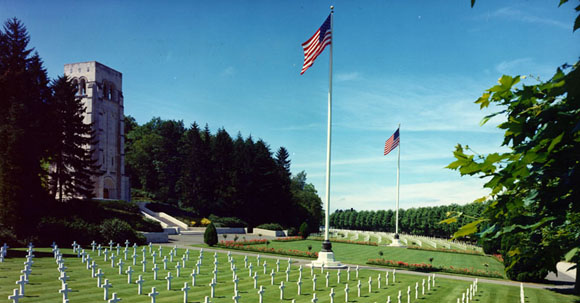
(430,268)
(262,249)
(288,239)
(457,251)
(246,242)
(336,240)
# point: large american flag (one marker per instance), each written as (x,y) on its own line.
(392,143)
(316,44)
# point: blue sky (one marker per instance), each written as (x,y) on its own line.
(236,64)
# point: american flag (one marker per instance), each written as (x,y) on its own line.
(315,45)
(392,143)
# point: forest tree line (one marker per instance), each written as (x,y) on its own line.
(416,221)
(193,169)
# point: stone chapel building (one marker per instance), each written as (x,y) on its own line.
(100,90)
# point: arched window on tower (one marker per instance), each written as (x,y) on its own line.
(105,90)
(75,84)
(83,87)
(112,92)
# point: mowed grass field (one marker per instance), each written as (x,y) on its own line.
(44,285)
(360,254)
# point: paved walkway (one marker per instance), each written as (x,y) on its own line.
(562,282)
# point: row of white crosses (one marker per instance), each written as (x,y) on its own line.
(468,295)
(18,293)
(3,252)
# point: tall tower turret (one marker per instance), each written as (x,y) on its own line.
(100,90)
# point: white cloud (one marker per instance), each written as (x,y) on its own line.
(367,197)
(341,77)
(527,17)
(229,71)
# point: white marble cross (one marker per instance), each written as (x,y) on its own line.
(423,288)
(416,290)
(394,276)
(129,273)
(134,256)
(114,299)
(120,264)
(261,294)
(346,289)
(106,255)
(236,297)
(348,273)
(64,291)
(258,260)
(21,284)
(235,280)
(288,274)
(399,297)
(265,267)
(332,295)
(169,278)
(358,287)
(99,248)
(408,294)
(246,261)
(193,275)
(93,268)
(282,290)
(299,283)
(433,280)
(127,243)
(140,282)
(111,244)
(272,274)
(15,295)
(327,278)
(370,284)
(144,262)
(338,277)
(314,283)
(155,269)
(250,269)
(255,277)
(356,269)
(99,276)
(154,257)
(185,289)
(153,294)
(118,249)
(106,287)
(165,263)
(314,298)
(212,285)
(277,265)
(178,269)
(63,277)
(150,245)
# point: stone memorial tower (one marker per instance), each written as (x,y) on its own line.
(100,90)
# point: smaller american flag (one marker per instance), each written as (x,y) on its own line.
(316,44)
(392,143)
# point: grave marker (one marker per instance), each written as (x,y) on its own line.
(282,290)
(15,295)
(129,273)
(139,283)
(153,294)
(185,289)
(169,278)
(64,291)
(106,287)
(212,285)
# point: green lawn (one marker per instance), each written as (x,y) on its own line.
(44,285)
(359,254)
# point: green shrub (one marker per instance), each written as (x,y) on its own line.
(270,226)
(210,236)
(64,231)
(148,225)
(303,231)
(292,231)
(118,231)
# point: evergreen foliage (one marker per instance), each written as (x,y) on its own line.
(72,162)
(210,236)
(219,175)
(24,102)
(416,221)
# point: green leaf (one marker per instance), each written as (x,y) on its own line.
(468,229)
(483,101)
(562,2)
(473,2)
(449,220)
(555,142)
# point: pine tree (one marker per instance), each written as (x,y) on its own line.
(24,99)
(73,165)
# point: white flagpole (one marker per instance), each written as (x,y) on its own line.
(398,183)
(328,134)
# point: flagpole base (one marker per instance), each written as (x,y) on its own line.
(397,242)
(326,258)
